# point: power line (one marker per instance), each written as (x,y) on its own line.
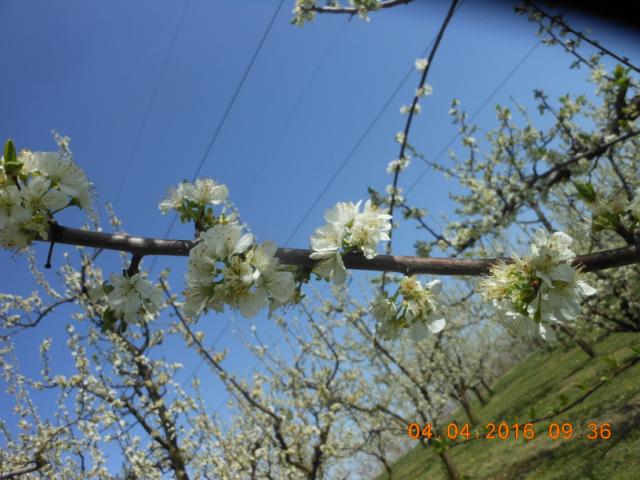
(478,110)
(359,142)
(235,94)
(152,99)
(267,156)
(218,129)
(293,111)
(353,150)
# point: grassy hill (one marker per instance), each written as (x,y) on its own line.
(540,385)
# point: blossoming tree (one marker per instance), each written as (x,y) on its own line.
(358,373)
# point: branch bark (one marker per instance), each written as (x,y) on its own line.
(300,257)
(354,11)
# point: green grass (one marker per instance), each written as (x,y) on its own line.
(541,384)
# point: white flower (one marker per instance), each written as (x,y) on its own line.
(421,64)
(370,227)
(343,214)
(417,313)
(227,268)
(397,165)
(38,194)
(271,282)
(534,292)
(326,243)
(350,229)
(424,90)
(173,201)
(133,297)
(206,192)
(20,224)
(63,174)
(225,240)
(407,108)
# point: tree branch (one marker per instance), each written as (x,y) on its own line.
(300,257)
(352,10)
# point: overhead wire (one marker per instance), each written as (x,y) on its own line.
(225,115)
(359,142)
(152,99)
(266,157)
(292,112)
(482,106)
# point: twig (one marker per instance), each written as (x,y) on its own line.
(581,36)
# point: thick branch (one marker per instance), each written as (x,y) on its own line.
(300,258)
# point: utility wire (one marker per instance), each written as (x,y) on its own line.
(235,94)
(218,129)
(486,101)
(359,142)
(267,156)
(152,99)
(292,112)
(352,152)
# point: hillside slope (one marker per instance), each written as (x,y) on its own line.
(540,385)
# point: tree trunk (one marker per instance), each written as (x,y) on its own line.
(467,409)
(486,387)
(586,348)
(450,466)
(478,394)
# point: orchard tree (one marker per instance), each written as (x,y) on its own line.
(549,218)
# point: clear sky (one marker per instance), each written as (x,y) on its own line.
(96,72)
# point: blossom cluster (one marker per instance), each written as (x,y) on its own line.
(226,267)
(416,312)
(540,290)
(347,229)
(130,299)
(191,201)
(33,187)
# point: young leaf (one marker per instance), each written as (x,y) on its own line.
(12,165)
(586,192)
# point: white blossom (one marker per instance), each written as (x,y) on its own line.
(349,229)
(417,312)
(205,191)
(45,184)
(133,299)
(421,64)
(227,268)
(63,174)
(424,90)
(540,290)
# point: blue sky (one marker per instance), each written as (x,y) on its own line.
(88,70)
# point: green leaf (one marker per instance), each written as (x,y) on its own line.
(123,326)
(636,349)
(12,165)
(564,399)
(108,320)
(586,192)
